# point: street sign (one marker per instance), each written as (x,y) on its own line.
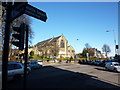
(17,13)
(24,8)
(34,12)
(75,56)
(18,5)
(87,54)
(54,57)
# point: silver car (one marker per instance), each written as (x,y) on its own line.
(35,64)
(114,66)
(15,70)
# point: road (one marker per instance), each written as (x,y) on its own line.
(69,75)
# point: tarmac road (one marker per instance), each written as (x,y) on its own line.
(69,75)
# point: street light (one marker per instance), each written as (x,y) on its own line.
(114,38)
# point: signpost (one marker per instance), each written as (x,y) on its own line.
(29,10)
(6,46)
(34,12)
(16,13)
(12,12)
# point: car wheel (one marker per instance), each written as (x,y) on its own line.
(106,68)
(115,69)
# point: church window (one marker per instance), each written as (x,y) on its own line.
(62,44)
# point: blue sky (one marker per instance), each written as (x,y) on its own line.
(86,21)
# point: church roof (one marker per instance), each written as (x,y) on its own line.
(49,41)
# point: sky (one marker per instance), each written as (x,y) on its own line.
(86,21)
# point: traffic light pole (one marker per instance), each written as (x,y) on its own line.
(6,46)
(26,56)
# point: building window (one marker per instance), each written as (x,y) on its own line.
(62,45)
(73,51)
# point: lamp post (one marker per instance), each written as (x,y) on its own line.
(114,38)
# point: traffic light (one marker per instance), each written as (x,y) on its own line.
(19,36)
(116,46)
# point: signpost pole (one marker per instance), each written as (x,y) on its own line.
(6,46)
(26,56)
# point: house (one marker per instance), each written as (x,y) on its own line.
(96,53)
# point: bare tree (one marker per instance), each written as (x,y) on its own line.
(87,46)
(106,49)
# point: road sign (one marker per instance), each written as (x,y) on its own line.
(54,57)
(34,12)
(75,56)
(19,5)
(17,13)
(87,54)
(24,8)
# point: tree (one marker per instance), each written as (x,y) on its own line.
(106,49)
(87,46)
(91,52)
(32,53)
(84,52)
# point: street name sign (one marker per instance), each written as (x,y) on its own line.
(34,12)
(24,8)
(16,13)
(18,5)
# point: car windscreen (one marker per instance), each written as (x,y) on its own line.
(116,64)
(39,61)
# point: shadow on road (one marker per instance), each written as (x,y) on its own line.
(105,70)
(52,77)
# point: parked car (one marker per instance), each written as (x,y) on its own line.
(98,63)
(40,62)
(104,62)
(92,62)
(35,64)
(114,66)
(15,70)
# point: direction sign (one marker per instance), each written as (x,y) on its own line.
(34,12)
(24,8)
(16,13)
(18,5)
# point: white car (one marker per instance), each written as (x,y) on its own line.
(15,70)
(40,62)
(114,66)
(35,64)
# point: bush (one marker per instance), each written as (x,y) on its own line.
(32,53)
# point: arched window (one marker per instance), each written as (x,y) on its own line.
(62,45)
